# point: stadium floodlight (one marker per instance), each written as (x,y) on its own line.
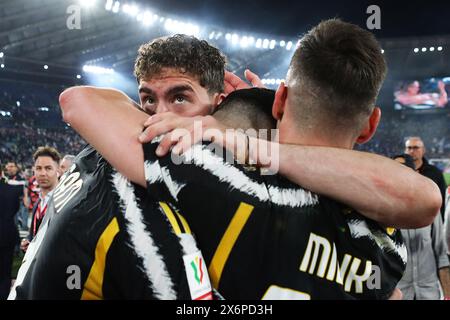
(251,40)
(265,44)
(228,36)
(244,42)
(424,49)
(147,18)
(116,7)
(2,54)
(131,10)
(272,44)
(416,50)
(181,27)
(382,50)
(18,103)
(282,43)
(211,35)
(234,39)
(258,43)
(440,48)
(431,49)
(108,5)
(97,69)
(45,66)
(87,3)
(78,76)
(218,35)
(289,45)
(2,65)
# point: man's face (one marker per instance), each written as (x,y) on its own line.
(11,169)
(414,88)
(46,172)
(415,148)
(65,165)
(172,91)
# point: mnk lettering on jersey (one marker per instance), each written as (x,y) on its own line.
(197,275)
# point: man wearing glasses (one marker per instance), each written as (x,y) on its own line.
(415,147)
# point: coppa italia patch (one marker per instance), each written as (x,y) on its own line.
(197,275)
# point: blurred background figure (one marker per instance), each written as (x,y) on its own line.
(66,163)
(415,147)
(47,172)
(11,192)
(427,275)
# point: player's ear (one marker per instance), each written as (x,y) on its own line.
(217,99)
(279,102)
(370,127)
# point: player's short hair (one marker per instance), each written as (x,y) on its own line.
(336,74)
(247,109)
(47,152)
(185,54)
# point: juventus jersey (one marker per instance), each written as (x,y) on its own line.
(101,239)
(264,237)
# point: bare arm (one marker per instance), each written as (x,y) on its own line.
(376,186)
(444,277)
(108,120)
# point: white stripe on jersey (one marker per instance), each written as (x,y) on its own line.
(142,241)
(359,228)
(236,179)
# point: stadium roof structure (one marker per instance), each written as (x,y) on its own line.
(38,40)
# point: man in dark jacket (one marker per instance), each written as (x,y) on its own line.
(415,147)
(11,191)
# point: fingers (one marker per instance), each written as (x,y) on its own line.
(253,78)
(233,82)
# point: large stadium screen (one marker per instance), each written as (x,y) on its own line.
(425,94)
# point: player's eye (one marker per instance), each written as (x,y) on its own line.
(179,99)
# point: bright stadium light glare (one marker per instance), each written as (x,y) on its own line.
(116,7)
(18,103)
(2,65)
(228,36)
(382,50)
(251,40)
(131,10)
(431,49)
(181,27)
(97,70)
(440,48)
(272,44)
(258,43)
(416,50)
(147,18)
(2,54)
(78,76)
(282,43)
(211,35)
(218,35)
(45,66)
(234,39)
(244,42)
(87,3)
(108,5)
(289,45)
(424,49)
(265,44)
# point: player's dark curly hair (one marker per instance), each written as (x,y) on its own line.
(186,54)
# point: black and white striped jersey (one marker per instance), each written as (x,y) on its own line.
(102,239)
(264,237)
